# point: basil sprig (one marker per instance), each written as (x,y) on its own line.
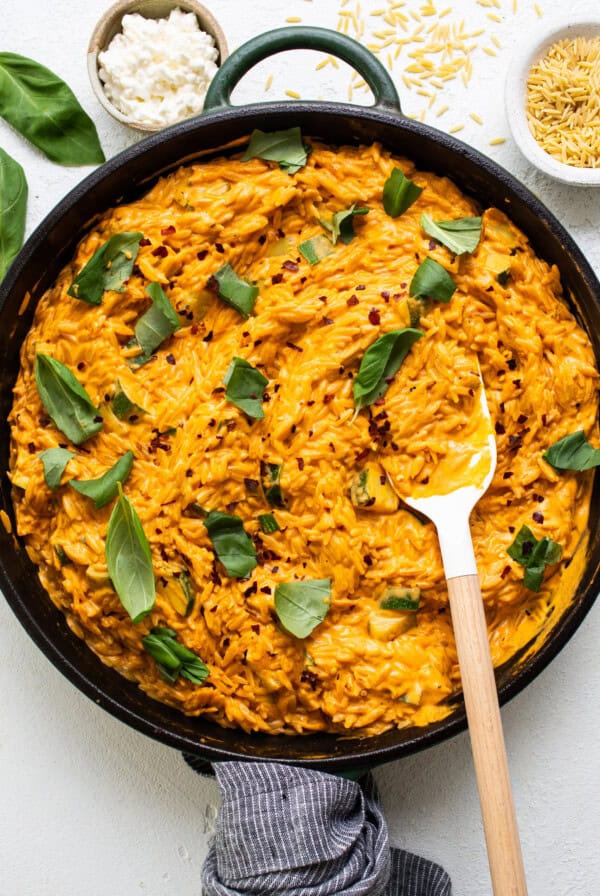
(129,559)
(380,363)
(234,291)
(301,606)
(432,281)
(172,658)
(65,400)
(122,405)
(245,387)
(104,488)
(573,452)
(316,248)
(158,323)
(342,224)
(233,546)
(534,555)
(285,147)
(108,268)
(44,110)
(13,205)
(460,236)
(399,193)
(55,460)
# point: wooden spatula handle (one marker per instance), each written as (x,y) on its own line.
(487,739)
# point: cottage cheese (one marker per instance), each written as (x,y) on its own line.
(157,71)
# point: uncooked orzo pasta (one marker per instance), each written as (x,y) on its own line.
(244,362)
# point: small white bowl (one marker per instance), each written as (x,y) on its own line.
(111,24)
(527,54)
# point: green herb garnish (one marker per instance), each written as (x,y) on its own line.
(284,147)
(380,363)
(122,405)
(316,248)
(270,480)
(158,323)
(245,387)
(65,400)
(108,268)
(104,488)
(399,193)
(172,658)
(233,546)
(61,556)
(44,110)
(55,460)
(432,281)
(534,555)
(301,606)
(268,523)
(234,291)
(503,277)
(573,452)
(13,206)
(460,236)
(342,224)
(129,559)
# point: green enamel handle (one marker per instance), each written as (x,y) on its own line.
(302,38)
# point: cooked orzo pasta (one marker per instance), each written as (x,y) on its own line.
(250,405)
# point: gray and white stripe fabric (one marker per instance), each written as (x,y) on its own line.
(298,832)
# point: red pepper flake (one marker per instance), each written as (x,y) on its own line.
(544,420)
(362,455)
(160,251)
(310,403)
(255,629)
(170,359)
(326,322)
(230,425)
(505,572)
(218,390)
(189,473)
(323,299)
(395,446)
(294,346)
(81,365)
(432,245)
(374,317)
(31,448)
(508,474)
(360,287)
(537,516)
(382,479)
(327,398)
(379,401)
(511,364)
(219,248)
(251,484)
(251,590)
(500,429)
(367,558)
(517,383)
(290,266)
(382,415)
(208,337)
(145,241)
(276,278)
(352,301)
(167,230)
(201,255)
(300,462)
(194,329)
(385,295)
(266,589)
(522,418)
(511,529)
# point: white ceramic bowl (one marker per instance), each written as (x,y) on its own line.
(110,25)
(526,55)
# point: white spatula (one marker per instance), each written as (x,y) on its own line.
(448,499)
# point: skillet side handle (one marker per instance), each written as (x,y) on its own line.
(302,38)
(487,738)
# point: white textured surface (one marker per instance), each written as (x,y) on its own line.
(91,807)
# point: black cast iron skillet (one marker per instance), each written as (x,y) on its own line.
(130,174)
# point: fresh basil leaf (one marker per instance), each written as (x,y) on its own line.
(432,281)
(268,523)
(316,248)
(284,147)
(108,268)
(122,405)
(158,323)
(234,291)
(65,400)
(534,555)
(233,546)
(44,110)
(13,205)
(172,658)
(104,488)
(399,193)
(573,452)
(55,460)
(380,363)
(460,236)
(342,224)
(129,559)
(301,606)
(245,387)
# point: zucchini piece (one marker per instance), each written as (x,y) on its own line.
(268,523)
(371,490)
(386,628)
(401,599)
(196,510)
(61,555)
(180,592)
(270,476)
